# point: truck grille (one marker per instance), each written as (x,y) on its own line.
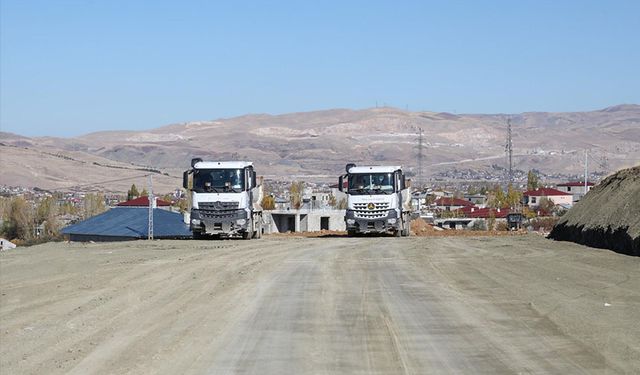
(219,210)
(371,210)
(217,206)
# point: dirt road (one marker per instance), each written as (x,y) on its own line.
(520,304)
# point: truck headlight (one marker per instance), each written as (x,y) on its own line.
(241,221)
(351,221)
(391,221)
(195,221)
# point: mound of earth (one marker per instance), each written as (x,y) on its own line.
(607,217)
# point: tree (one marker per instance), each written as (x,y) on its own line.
(491,221)
(513,197)
(333,201)
(183,204)
(268,202)
(133,192)
(532,180)
(342,204)
(144,193)
(295,194)
(546,205)
(47,214)
(20,220)
(93,205)
(496,198)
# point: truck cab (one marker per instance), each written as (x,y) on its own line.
(225,199)
(378,200)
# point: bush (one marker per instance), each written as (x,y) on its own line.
(479,225)
(502,226)
(543,223)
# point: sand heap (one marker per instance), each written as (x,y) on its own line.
(608,217)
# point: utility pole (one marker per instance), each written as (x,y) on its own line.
(586,175)
(420,156)
(151,201)
(509,150)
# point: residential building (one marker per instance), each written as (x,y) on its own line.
(576,188)
(128,223)
(479,200)
(451,204)
(532,198)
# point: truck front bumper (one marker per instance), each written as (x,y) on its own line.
(358,224)
(225,222)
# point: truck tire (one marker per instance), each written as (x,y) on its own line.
(249,233)
(351,233)
(258,232)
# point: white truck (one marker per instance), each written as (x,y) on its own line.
(378,200)
(225,199)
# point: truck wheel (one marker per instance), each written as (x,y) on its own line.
(246,235)
(351,233)
(198,235)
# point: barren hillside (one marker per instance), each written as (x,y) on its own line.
(320,143)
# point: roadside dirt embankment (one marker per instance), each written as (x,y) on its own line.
(608,217)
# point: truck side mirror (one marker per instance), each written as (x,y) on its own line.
(340,183)
(194,161)
(349,166)
(185,180)
(253,179)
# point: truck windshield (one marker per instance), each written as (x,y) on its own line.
(218,180)
(371,183)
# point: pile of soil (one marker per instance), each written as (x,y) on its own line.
(421,228)
(607,217)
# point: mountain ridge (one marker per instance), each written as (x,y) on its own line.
(321,142)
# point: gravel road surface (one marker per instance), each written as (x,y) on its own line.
(458,305)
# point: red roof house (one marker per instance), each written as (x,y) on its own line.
(144,202)
(452,204)
(533,197)
(485,213)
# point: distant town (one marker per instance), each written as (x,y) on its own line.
(456,199)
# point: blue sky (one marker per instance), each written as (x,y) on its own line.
(73,67)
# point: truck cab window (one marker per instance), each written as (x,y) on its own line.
(371,183)
(218,180)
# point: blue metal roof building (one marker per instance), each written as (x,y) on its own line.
(128,223)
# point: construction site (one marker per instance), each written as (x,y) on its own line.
(495,305)
(361,290)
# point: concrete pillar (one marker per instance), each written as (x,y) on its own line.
(297,225)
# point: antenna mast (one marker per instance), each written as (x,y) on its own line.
(151,204)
